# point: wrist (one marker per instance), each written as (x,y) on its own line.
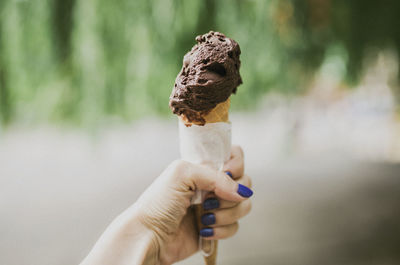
(143,244)
(126,241)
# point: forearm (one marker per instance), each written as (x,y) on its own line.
(125,242)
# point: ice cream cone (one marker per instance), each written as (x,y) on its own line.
(218,114)
(209,75)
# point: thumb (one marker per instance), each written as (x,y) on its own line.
(200,177)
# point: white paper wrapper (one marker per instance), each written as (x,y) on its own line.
(208,145)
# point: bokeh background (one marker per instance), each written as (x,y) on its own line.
(85,124)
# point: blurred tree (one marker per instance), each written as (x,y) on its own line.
(62,27)
(360,26)
(5,109)
(80,61)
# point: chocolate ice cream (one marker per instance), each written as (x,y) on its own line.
(209,75)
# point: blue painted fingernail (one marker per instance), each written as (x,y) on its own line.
(244,191)
(211,203)
(229,174)
(207,232)
(208,219)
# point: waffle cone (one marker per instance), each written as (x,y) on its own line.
(218,114)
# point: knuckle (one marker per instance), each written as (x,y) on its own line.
(240,150)
(237,148)
(179,167)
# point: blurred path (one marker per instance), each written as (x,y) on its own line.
(313,203)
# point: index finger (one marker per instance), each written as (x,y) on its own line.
(235,164)
(200,177)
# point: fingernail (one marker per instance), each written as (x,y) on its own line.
(211,203)
(208,219)
(244,191)
(229,174)
(206,232)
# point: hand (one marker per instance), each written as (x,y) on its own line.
(166,205)
(160,228)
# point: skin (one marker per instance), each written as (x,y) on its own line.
(159,228)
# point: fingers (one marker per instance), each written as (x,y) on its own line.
(215,203)
(235,164)
(222,217)
(211,202)
(198,177)
(222,223)
(218,217)
(221,232)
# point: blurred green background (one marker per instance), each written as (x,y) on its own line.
(322,144)
(82,61)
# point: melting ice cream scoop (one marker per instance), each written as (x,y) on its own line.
(209,75)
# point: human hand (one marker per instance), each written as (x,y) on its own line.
(165,206)
(160,228)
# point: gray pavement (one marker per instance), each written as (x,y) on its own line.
(59,189)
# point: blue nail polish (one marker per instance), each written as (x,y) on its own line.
(229,174)
(211,203)
(206,232)
(244,191)
(208,219)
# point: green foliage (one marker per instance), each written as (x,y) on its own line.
(81,61)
